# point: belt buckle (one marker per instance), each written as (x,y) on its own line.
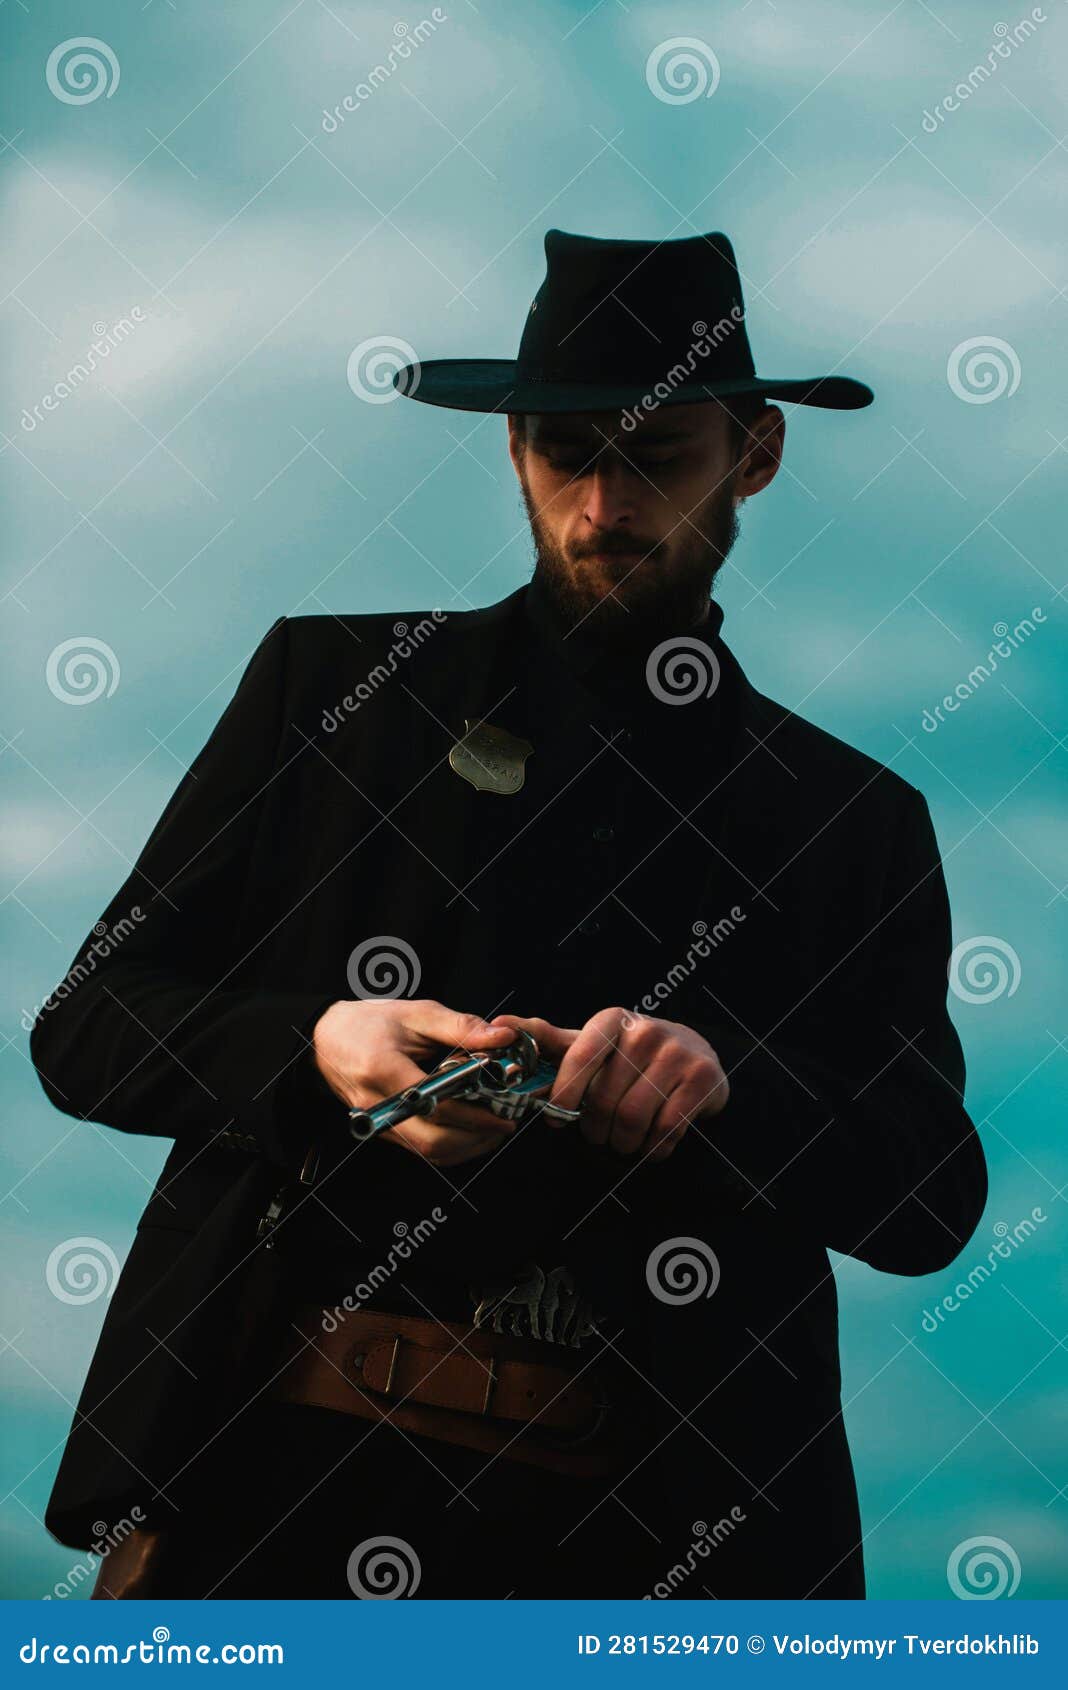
(358,1356)
(492,1376)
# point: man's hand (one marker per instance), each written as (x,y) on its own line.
(640,1080)
(368,1050)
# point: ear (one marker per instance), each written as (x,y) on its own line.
(762,455)
(516,440)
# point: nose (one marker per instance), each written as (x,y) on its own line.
(609,502)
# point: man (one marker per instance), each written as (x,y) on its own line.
(592,1355)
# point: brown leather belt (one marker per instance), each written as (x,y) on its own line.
(514,1398)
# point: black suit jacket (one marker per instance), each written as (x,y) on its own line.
(322,810)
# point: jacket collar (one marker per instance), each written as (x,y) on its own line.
(750,815)
(757,716)
(618,679)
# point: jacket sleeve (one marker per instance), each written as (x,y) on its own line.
(852,1122)
(150,1030)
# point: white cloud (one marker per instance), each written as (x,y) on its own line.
(276,286)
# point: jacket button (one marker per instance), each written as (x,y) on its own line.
(604,833)
(590,926)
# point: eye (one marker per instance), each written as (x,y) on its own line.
(569,458)
(652,458)
(572,459)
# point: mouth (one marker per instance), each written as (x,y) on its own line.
(612,557)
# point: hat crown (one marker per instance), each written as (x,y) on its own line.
(608,306)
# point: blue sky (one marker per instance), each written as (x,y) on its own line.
(218,471)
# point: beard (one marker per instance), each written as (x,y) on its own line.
(619,599)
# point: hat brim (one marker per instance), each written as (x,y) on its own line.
(494,384)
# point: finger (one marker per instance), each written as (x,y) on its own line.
(634,1114)
(552,1042)
(626,1094)
(596,1122)
(681,1109)
(661,1145)
(587,1053)
(455,1029)
(621,1115)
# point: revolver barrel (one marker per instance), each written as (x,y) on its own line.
(482,1072)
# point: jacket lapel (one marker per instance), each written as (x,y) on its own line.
(479,672)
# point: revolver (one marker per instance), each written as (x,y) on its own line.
(514,1083)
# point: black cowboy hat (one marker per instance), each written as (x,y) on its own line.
(625,324)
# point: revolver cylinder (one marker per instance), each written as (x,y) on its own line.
(513,1083)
